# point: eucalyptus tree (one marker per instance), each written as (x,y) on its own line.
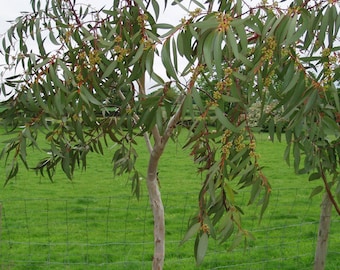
(70,60)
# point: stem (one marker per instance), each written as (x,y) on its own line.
(329,192)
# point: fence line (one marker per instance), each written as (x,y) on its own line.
(116,233)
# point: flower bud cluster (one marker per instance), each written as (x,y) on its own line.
(224,21)
(205,228)
(235,142)
(223,85)
(252,148)
(94,58)
(141,19)
(329,64)
(227,143)
(268,49)
(195,13)
(268,80)
(120,49)
(67,36)
(86,61)
(239,143)
(148,44)
(79,76)
(121,52)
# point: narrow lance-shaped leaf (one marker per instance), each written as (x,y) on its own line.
(208,49)
(166,60)
(225,121)
(233,42)
(316,191)
(193,230)
(202,247)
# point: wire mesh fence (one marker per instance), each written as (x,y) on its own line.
(116,233)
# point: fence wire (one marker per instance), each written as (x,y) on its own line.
(117,233)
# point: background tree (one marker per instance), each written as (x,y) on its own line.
(74,59)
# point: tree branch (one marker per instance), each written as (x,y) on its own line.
(329,192)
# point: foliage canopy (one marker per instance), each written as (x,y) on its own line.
(85,71)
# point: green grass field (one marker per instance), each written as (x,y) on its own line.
(93,222)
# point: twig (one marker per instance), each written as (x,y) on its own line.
(329,192)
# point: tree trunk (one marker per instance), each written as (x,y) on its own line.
(158,211)
(324,225)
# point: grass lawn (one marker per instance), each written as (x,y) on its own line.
(93,222)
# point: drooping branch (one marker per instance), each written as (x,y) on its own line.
(329,192)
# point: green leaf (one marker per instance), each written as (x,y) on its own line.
(194,229)
(323,26)
(255,190)
(27,134)
(174,54)
(316,191)
(53,39)
(227,228)
(230,99)
(237,240)
(39,38)
(13,171)
(166,59)
(163,26)
(217,53)
(265,203)
(137,55)
(79,130)
(292,26)
(297,156)
(155,6)
(202,248)
(197,99)
(311,101)
(57,82)
(233,43)
(184,47)
(210,23)
(271,128)
(109,69)
(241,32)
(208,50)
(181,45)
(65,164)
(314,176)
(230,193)
(221,116)
(301,30)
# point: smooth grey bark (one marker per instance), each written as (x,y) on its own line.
(322,241)
(157,210)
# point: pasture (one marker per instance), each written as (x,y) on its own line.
(93,222)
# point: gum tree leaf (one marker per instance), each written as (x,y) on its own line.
(202,248)
(314,176)
(233,42)
(109,69)
(194,229)
(166,60)
(224,120)
(316,191)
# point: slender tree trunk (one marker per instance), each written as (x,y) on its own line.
(158,211)
(324,225)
